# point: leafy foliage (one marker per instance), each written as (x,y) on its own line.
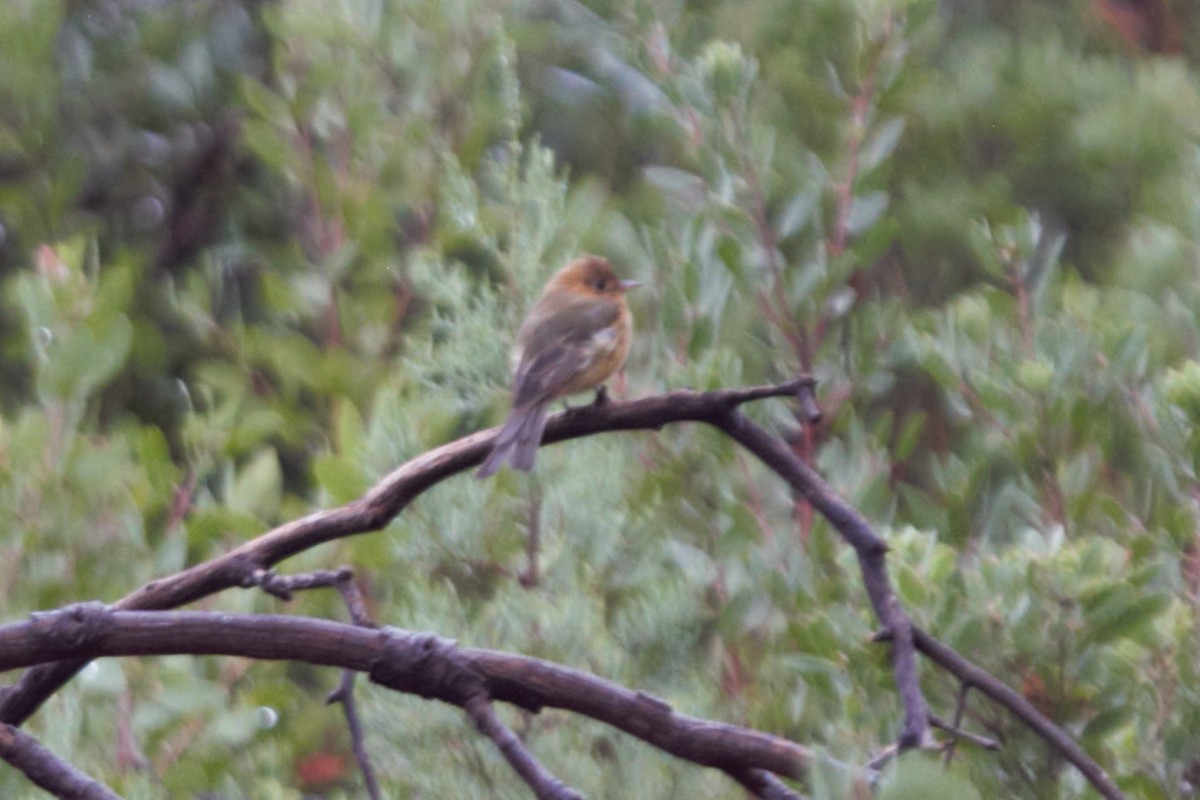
(255,255)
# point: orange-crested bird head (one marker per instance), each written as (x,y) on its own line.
(592,275)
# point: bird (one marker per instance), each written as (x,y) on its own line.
(574,338)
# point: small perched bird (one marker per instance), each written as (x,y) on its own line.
(576,335)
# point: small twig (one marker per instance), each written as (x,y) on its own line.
(860,106)
(764,785)
(284,586)
(356,604)
(530,576)
(960,707)
(129,755)
(755,504)
(433,667)
(344,694)
(45,769)
(342,579)
(1055,736)
(774,302)
(959,733)
(181,500)
(544,785)
(810,410)
(883,756)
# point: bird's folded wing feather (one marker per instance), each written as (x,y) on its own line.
(560,344)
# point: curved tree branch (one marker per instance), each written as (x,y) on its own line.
(377,508)
(718,408)
(545,785)
(417,664)
(46,770)
(976,678)
(870,549)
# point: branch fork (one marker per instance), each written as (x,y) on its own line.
(434,667)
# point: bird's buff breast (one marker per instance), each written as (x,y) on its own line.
(602,356)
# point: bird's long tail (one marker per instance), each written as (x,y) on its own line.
(517,442)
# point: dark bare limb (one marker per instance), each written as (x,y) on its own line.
(373,511)
(46,770)
(344,696)
(545,786)
(418,664)
(870,549)
(719,409)
(766,786)
(1018,706)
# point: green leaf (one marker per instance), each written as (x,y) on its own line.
(342,477)
(865,211)
(350,431)
(258,487)
(694,562)
(1106,722)
(796,212)
(875,241)
(220,525)
(729,250)
(236,727)
(684,186)
(921,777)
(270,106)
(82,360)
(881,144)
(1124,616)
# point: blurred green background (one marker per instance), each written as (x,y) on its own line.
(255,254)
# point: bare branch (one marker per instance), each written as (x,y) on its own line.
(344,695)
(959,733)
(1059,739)
(885,755)
(766,786)
(343,580)
(418,664)
(240,567)
(960,708)
(870,549)
(47,770)
(719,409)
(545,786)
(356,604)
(284,586)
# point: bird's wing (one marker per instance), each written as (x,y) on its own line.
(559,344)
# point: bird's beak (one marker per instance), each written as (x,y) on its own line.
(627,285)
